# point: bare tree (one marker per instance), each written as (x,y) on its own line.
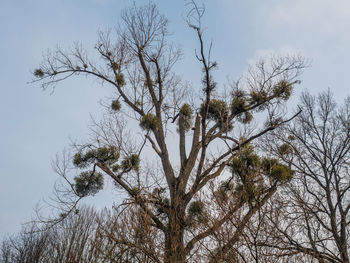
(315,219)
(192,205)
(261,240)
(27,247)
(126,235)
(71,240)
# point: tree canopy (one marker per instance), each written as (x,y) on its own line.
(190,204)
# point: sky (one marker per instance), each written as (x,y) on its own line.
(37,124)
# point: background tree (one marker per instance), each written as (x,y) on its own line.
(71,240)
(28,246)
(195,203)
(313,217)
(125,235)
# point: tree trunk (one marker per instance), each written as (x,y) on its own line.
(174,246)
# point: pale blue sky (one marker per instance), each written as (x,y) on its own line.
(36,125)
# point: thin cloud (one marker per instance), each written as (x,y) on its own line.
(322,18)
(282,51)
